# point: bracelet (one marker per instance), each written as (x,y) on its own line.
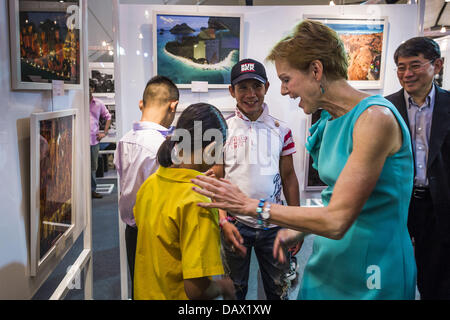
(226,220)
(265,215)
(222,222)
(259,210)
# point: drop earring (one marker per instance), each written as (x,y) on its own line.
(322,89)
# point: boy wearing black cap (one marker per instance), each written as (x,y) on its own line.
(258,158)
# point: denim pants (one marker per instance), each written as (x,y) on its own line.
(94,165)
(238,267)
(131,243)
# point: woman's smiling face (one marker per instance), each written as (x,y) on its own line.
(296,83)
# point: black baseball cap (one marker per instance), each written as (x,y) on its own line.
(248,69)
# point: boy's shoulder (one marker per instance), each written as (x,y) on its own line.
(230,117)
(142,134)
(277,122)
(149,140)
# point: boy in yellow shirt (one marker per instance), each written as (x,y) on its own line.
(178,245)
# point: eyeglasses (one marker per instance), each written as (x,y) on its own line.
(414,67)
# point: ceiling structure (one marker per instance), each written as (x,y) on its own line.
(437,12)
(436,16)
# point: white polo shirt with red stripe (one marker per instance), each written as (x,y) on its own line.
(252,157)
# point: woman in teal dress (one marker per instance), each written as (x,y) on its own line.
(362,151)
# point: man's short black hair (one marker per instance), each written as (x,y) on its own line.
(92,83)
(418,45)
(152,90)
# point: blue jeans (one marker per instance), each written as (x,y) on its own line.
(94,165)
(238,267)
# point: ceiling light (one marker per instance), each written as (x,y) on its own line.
(104,43)
(332,3)
(443,30)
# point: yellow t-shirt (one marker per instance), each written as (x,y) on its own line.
(176,239)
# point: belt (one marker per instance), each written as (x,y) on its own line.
(421,193)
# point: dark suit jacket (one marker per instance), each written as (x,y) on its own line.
(438,163)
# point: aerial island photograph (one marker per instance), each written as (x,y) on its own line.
(197,48)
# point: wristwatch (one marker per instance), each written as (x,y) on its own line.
(265,214)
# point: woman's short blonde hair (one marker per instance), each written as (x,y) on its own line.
(312,40)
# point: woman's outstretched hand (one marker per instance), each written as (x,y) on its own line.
(224,195)
(286,238)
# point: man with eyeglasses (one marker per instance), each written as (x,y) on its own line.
(426,109)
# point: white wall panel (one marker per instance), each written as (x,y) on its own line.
(15,110)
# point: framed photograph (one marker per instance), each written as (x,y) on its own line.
(52,184)
(195,47)
(45,44)
(312,179)
(102,75)
(364,39)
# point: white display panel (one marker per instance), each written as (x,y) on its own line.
(16,108)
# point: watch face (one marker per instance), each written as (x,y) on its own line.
(265,215)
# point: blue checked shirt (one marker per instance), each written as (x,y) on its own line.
(420,125)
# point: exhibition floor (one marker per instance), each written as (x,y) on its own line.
(105,248)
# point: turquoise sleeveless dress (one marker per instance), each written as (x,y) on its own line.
(375,258)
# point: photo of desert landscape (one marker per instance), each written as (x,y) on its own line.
(363,44)
(363,41)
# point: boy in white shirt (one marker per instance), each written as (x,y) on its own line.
(258,158)
(135,155)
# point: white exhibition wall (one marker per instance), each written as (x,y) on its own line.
(264,26)
(444,44)
(15,109)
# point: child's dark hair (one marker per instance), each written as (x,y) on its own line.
(199,113)
(153,90)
